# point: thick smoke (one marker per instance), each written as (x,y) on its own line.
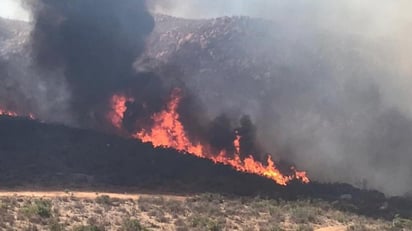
(21,89)
(336,98)
(96,44)
(26,93)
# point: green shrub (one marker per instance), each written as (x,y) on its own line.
(403,223)
(132,225)
(88,228)
(304,215)
(276,228)
(104,199)
(206,223)
(304,228)
(55,226)
(40,207)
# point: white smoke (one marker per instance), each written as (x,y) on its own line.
(383,23)
(12,9)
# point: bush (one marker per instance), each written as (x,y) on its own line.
(104,199)
(402,223)
(89,228)
(276,213)
(55,226)
(31,228)
(207,223)
(132,225)
(304,215)
(358,227)
(276,228)
(304,228)
(41,208)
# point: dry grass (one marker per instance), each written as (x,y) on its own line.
(207,212)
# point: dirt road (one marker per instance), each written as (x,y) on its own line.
(332,228)
(80,194)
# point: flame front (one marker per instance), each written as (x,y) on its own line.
(4,112)
(169,132)
(8,113)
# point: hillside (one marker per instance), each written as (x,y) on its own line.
(37,155)
(206,54)
(182,192)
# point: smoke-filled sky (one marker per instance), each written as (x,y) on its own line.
(341,107)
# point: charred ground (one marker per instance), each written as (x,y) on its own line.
(36,155)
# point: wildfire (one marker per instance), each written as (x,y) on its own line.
(4,112)
(8,113)
(118,106)
(169,132)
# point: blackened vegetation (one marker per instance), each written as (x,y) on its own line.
(32,153)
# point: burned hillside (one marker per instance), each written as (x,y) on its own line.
(34,155)
(313,97)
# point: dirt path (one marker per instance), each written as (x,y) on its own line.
(81,194)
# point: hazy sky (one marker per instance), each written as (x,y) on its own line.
(12,9)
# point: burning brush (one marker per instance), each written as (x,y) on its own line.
(4,112)
(168,131)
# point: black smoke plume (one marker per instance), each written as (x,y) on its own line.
(95,42)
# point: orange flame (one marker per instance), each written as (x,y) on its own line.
(169,132)
(4,112)
(118,106)
(8,113)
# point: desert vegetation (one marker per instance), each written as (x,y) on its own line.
(201,212)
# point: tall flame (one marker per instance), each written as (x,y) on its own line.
(168,131)
(118,106)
